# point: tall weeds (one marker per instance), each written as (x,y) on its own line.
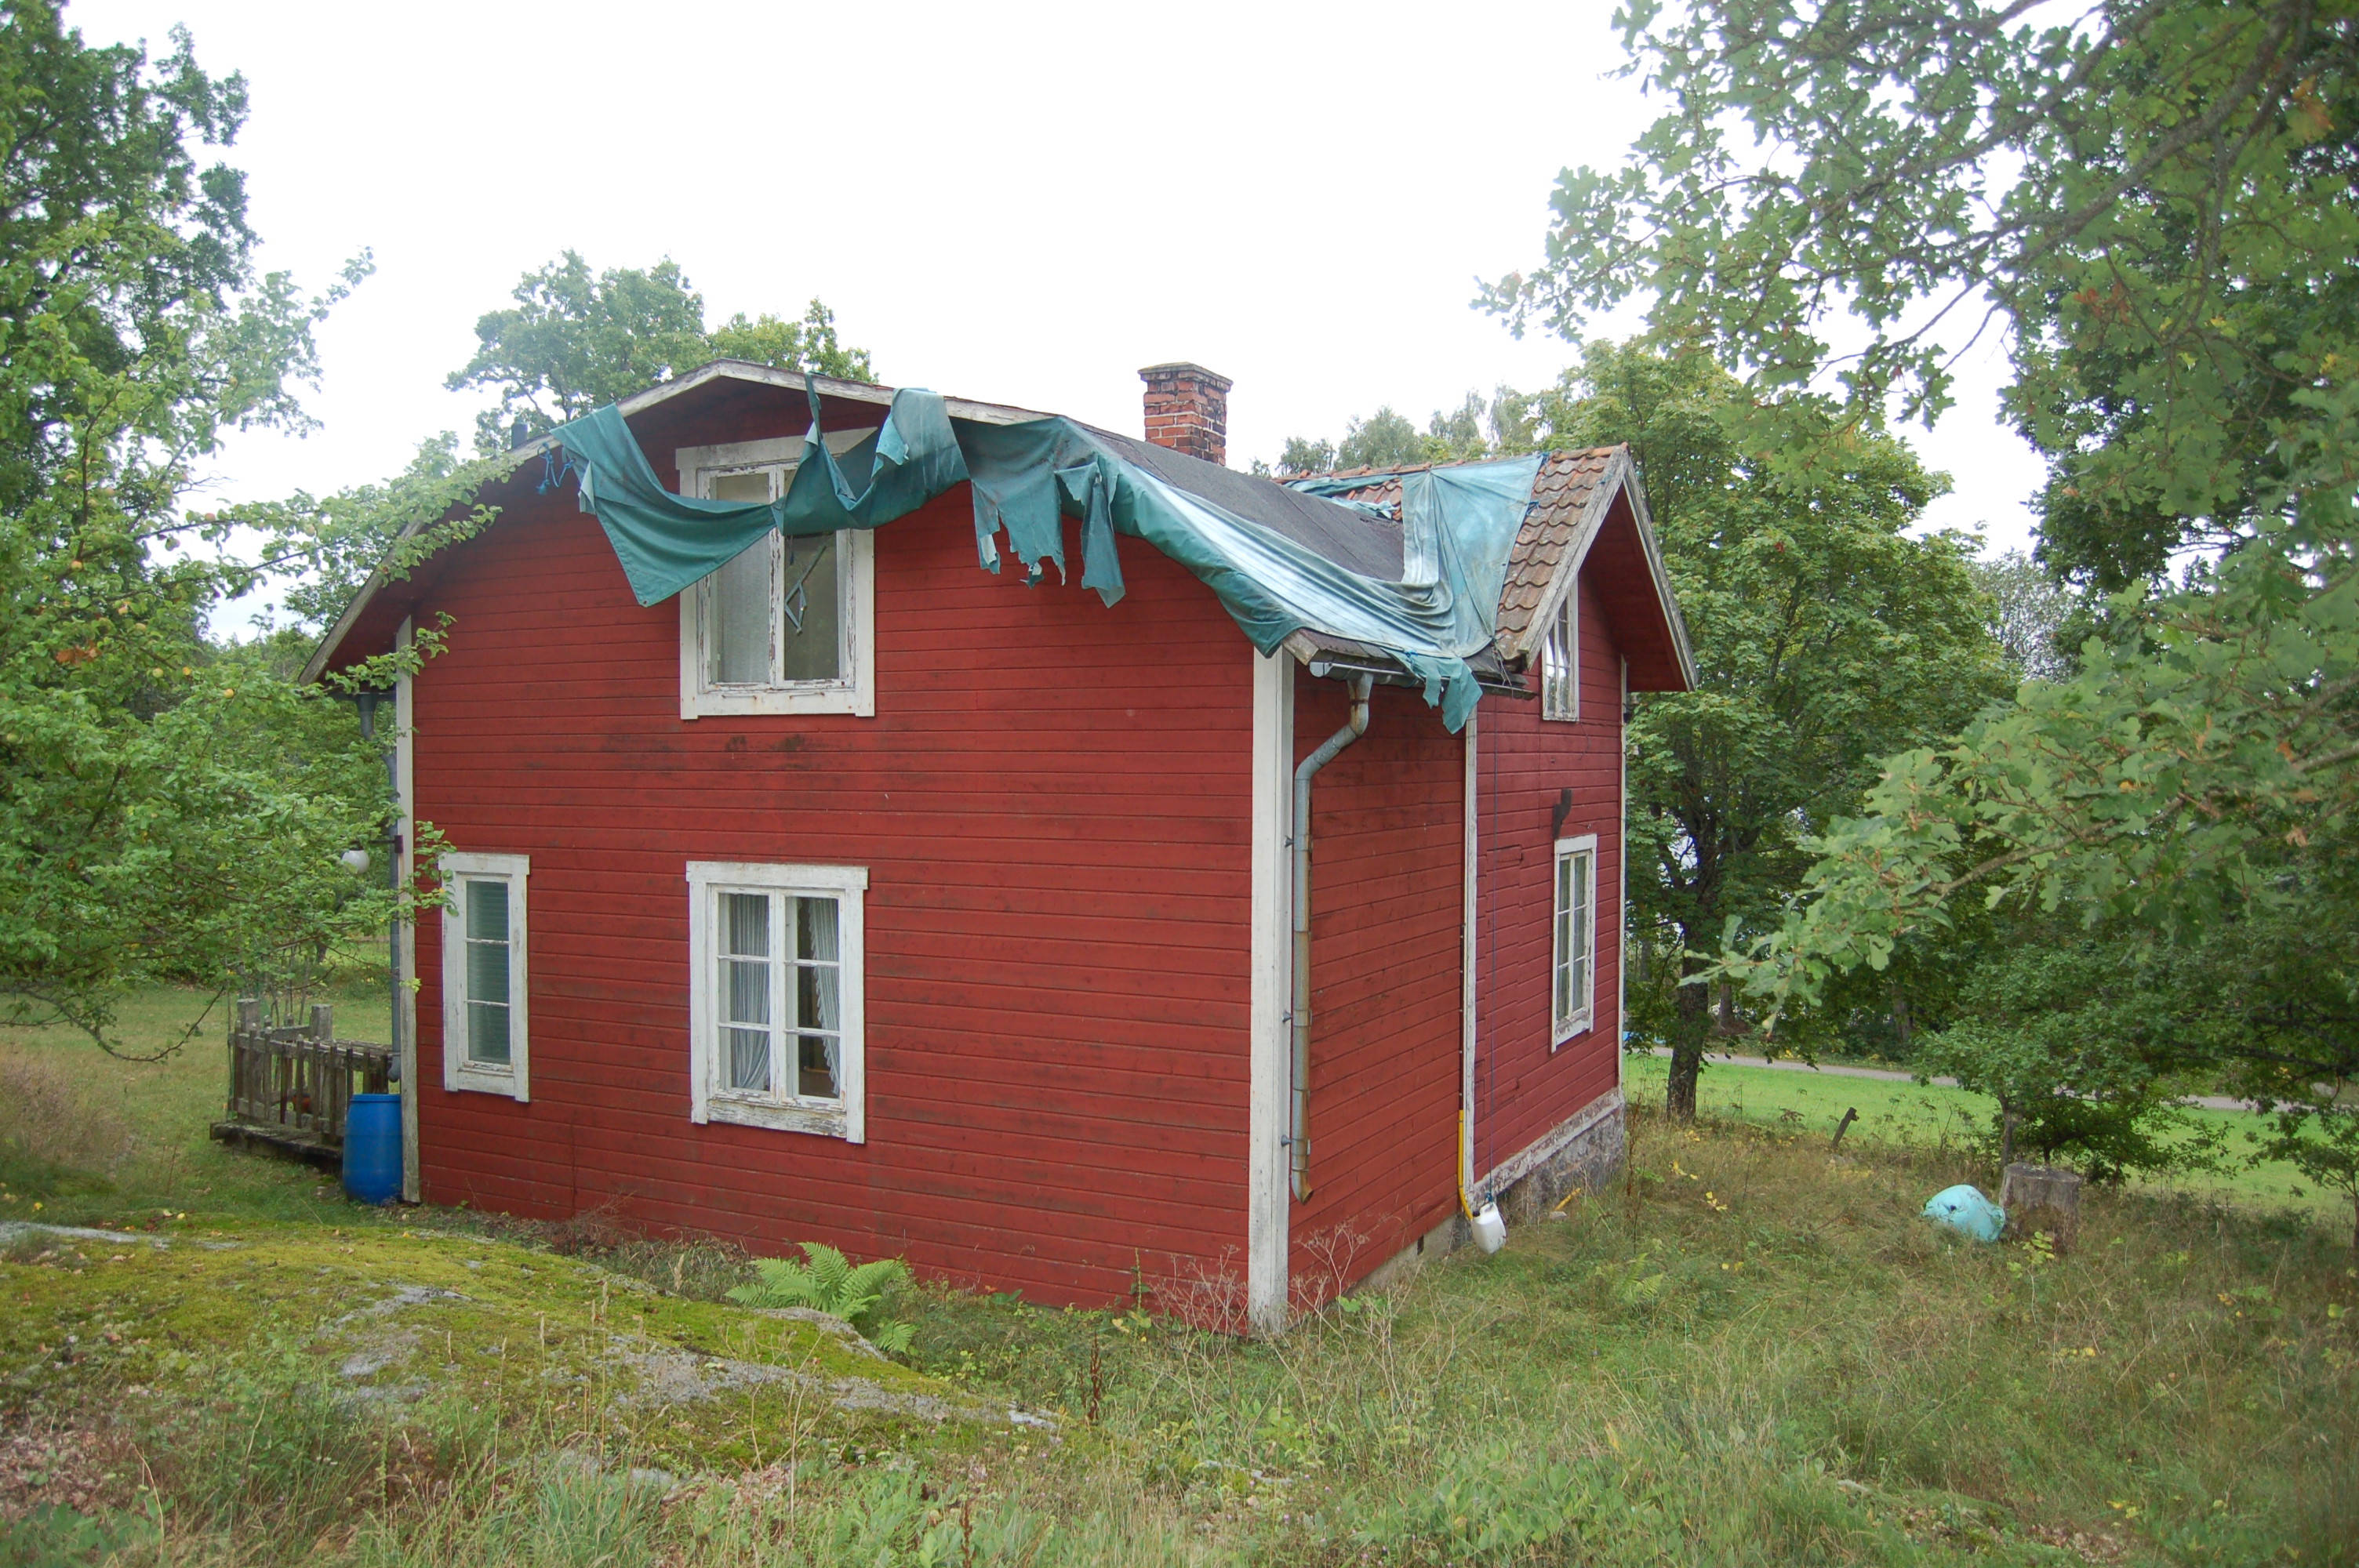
(51,1125)
(1746,1353)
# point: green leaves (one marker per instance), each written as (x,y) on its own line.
(575,341)
(1826,635)
(828,1282)
(168,809)
(2160,785)
(2151,202)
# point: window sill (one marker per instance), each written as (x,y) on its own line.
(829,697)
(1572,1029)
(825,1123)
(471,1079)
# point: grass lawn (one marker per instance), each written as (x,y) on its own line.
(1927,1116)
(1745,1351)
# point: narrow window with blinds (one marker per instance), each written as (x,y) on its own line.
(485,1039)
(1561,661)
(783,628)
(774,1001)
(486,900)
(1574,966)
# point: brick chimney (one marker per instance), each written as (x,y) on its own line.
(1188,410)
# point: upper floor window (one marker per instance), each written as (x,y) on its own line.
(485,1037)
(786,627)
(774,1001)
(1574,977)
(1561,659)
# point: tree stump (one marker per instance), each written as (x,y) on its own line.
(2041,1197)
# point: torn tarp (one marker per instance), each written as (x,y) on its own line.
(1458,525)
(666,541)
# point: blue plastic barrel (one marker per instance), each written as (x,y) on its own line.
(372,1148)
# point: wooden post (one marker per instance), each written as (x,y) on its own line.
(241,1061)
(2040,1197)
(1849,1116)
(322,1087)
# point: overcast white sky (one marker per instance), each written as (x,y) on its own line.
(1022,204)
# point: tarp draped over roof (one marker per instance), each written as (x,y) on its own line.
(1458,526)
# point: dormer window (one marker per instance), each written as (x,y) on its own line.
(1560,660)
(786,627)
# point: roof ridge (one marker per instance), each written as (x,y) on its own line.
(1372,474)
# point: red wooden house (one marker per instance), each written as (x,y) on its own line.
(861,895)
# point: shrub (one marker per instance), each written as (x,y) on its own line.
(827,1282)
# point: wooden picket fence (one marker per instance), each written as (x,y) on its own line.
(290,1085)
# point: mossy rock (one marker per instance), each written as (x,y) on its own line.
(391,1318)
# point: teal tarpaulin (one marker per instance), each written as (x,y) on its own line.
(1458,525)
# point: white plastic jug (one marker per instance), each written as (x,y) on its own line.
(1490,1230)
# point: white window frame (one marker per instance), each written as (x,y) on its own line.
(515,1079)
(1583,1016)
(707,1100)
(1561,659)
(854,691)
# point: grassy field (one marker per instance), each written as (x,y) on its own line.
(1745,1351)
(1927,1116)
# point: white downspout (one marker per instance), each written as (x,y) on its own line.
(1467,990)
(1298,1140)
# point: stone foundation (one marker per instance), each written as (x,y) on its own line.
(1586,1152)
(1589,1158)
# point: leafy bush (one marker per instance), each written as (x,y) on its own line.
(827,1282)
(2077,1037)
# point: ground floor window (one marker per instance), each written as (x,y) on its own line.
(775,996)
(486,1044)
(1574,969)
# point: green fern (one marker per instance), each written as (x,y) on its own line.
(826,1281)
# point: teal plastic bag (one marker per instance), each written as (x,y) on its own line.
(1965,1210)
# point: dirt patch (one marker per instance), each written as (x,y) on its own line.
(671,1378)
(64,1465)
(2097,1547)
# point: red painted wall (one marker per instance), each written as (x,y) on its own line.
(1052,804)
(1387,922)
(1522,1090)
(1387,916)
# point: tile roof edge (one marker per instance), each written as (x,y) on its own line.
(1547,455)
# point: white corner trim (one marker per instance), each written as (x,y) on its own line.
(1622,890)
(848,885)
(404,1005)
(1468,988)
(1268,1201)
(515,1079)
(1517,1166)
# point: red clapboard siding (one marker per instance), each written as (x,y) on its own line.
(1522,1090)
(1052,804)
(1386,912)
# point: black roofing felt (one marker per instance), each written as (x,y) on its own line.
(1344,535)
